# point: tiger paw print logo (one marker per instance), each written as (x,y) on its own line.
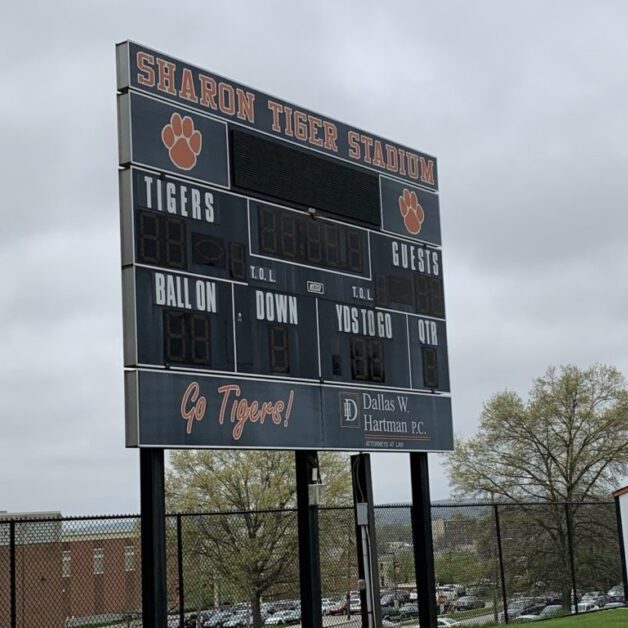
(412,212)
(182,140)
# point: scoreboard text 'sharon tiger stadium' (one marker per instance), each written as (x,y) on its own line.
(282,272)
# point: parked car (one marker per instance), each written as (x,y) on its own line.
(191,621)
(468,603)
(217,619)
(522,606)
(391,613)
(238,620)
(268,608)
(479,590)
(585,607)
(446,622)
(551,610)
(617,591)
(389,599)
(327,605)
(596,597)
(449,593)
(408,611)
(341,606)
(284,618)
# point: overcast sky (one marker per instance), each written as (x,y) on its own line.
(523,103)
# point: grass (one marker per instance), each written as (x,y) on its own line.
(614,618)
(611,618)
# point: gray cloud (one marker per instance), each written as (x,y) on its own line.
(523,103)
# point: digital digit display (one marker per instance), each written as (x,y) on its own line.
(279,348)
(429,296)
(300,238)
(237,261)
(367,359)
(187,338)
(161,240)
(430,367)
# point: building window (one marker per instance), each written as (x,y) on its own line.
(99,560)
(66,564)
(129,558)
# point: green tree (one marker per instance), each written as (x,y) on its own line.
(400,570)
(567,443)
(464,566)
(254,548)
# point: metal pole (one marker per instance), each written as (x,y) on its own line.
(571,557)
(306,463)
(396,603)
(180,572)
(422,540)
(12,574)
(153,520)
(366,543)
(622,546)
(500,553)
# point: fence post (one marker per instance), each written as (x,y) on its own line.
(153,538)
(501,562)
(422,541)
(622,545)
(12,577)
(180,573)
(572,566)
(307,477)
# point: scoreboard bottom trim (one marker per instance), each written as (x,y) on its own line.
(178,410)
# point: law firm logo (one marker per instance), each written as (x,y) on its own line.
(349,410)
(182,140)
(411,211)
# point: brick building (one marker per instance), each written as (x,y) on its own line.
(68,573)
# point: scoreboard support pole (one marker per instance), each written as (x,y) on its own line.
(366,543)
(153,522)
(422,540)
(306,463)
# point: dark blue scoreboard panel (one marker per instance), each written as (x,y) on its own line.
(274,295)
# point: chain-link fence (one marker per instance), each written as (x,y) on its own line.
(231,570)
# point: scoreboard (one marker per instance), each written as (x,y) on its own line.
(282,272)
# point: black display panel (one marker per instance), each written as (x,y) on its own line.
(429,296)
(367,359)
(187,338)
(289,174)
(297,237)
(282,272)
(430,367)
(161,240)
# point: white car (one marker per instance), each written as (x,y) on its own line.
(616,591)
(549,611)
(446,622)
(281,618)
(585,607)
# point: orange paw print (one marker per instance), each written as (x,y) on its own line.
(182,141)
(412,212)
